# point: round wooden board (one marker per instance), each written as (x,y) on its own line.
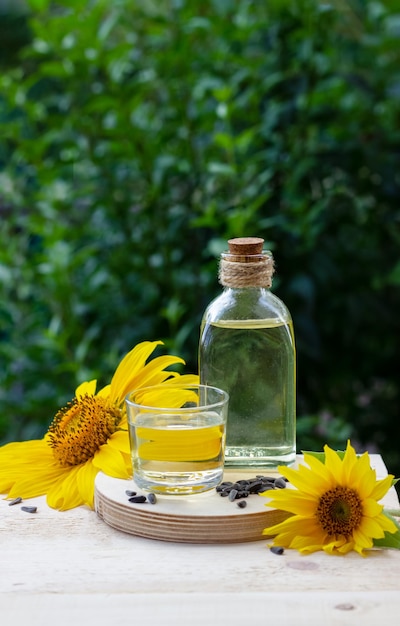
(201,518)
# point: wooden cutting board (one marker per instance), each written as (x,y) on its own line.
(201,518)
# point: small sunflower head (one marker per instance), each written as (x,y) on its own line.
(79,429)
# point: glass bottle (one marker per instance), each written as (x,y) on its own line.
(247,348)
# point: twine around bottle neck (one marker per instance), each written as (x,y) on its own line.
(246,271)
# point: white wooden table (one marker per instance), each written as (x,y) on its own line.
(72,569)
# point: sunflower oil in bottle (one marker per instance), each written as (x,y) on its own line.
(247,348)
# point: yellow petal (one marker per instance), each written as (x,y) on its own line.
(27,469)
(322,474)
(85,483)
(104,392)
(349,465)
(120,441)
(387,524)
(334,463)
(370,528)
(362,476)
(304,479)
(363,539)
(153,373)
(87,388)
(371,508)
(111,462)
(309,543)
(381,487)
(129,369)
(296,503)
(296,525)
(338,546)
(64,494)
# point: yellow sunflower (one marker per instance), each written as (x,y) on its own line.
(335,506)
(88,435)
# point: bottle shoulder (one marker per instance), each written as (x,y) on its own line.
(245,304)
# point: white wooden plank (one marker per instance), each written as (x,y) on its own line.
(197,609)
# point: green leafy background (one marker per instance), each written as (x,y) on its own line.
(137,137)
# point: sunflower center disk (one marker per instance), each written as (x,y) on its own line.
(79,429)
(340,511)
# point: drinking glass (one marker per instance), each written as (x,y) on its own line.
(177,437)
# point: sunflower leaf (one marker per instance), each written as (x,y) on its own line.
(318,455)
(321,455)
(390,540)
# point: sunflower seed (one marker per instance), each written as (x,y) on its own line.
(29,509)
(130,493)
(138,499)
(232,495)
(15,501)
(277,549)
(226,483)
(255,486)
(151,497)
(242,504)
(280,483)
(265,487)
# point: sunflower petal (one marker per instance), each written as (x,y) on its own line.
(64,494)
(129,369)
(111,462)
(85,478)
(381,487)
(295,502)
(87,388)
(120,441)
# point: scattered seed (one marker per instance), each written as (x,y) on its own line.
(15,501)
(224,485)
(130,493)
(266,487)
(232,495)
(277,549)
(138,499)
(242,504)
(255,486)
(151,497)
(29,509)
(244,487)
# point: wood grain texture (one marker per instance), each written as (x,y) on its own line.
(201,518)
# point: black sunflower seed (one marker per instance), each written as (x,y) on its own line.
(242,504)
(29,509)
(130,493)
(151,497)
(277,549)
(232,495)
(138,499)
(15,501)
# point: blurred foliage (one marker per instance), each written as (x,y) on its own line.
(136,137)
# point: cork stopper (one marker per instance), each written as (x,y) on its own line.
(244,246)
(246,264)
